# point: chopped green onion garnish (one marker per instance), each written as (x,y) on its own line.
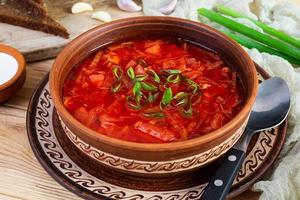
(148,86)
(180,95)
(140,77)
(171,71)
(194,88)
(150,97)
(181,99)
(182,102)
(138,97)
(167,97)
(190,81)
(173,78)
(118,72)
(154,115)
(188,112)
(155,76)
(130,73)
(132,103)
(192,85)
(134,106)
(116,87)
(136,88)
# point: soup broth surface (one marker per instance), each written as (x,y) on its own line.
(153,91)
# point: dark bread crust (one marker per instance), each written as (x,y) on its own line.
(36,8)
(19,15)
(39,1)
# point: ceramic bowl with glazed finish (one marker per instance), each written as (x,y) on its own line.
(154,159)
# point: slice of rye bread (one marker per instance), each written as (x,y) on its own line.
(35,7)
(14,13)
(42,3)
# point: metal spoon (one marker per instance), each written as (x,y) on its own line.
(270,109)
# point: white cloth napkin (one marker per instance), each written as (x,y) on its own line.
(283,182)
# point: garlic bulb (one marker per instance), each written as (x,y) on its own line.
(168,8)
(81,7)
(102,16)
(128,5)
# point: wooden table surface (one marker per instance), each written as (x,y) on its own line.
(21,175)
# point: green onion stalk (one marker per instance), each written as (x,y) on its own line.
(256,35)
(249,43)
(267,29)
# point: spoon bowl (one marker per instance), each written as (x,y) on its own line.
(270,109)
(271,106)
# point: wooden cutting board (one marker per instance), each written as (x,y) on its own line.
(37,45)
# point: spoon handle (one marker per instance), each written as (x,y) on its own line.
(221,182)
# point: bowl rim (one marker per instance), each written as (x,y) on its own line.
(150,147)
(21,65)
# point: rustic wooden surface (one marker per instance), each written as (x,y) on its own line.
(22,177)
(35,45)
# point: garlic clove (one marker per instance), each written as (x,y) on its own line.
(81,7)
(102,16)
(168,8)
(128,5)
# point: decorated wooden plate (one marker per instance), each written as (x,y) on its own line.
(85,177)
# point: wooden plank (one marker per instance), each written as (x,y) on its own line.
(21,175)
(35,45)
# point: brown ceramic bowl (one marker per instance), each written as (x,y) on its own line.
(154,159)
(10,87)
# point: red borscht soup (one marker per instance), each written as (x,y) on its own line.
(153,91)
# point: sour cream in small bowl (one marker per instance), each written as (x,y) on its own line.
(12,71)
